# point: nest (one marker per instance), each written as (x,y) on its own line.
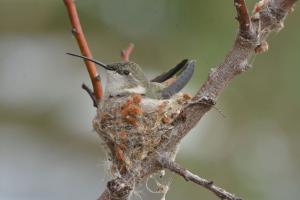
(134,127)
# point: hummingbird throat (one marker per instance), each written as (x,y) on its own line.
(119,85)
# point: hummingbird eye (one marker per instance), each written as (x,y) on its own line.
(126,72)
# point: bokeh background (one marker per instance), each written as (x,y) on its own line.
(48,149)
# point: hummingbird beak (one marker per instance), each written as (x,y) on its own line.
(94,61)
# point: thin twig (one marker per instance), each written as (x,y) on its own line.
(189,176)
(287,4)
(243,17)
(90,93)
(125,54)
(84,48)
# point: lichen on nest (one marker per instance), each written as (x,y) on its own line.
(133,127)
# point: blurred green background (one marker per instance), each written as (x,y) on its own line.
(48,149)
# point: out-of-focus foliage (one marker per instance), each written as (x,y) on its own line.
(47,147)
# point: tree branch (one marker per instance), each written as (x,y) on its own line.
(90,93)
(125,54)
(105,195)
(243,18)
(269,18)
(84,48)
(286,4)
(117,189)
(189,176)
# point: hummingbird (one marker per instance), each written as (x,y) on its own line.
(128,77)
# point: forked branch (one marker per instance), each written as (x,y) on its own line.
(125,54)
(268,18)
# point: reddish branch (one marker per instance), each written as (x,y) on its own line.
(125,54)
(84,48)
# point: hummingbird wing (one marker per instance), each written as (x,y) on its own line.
(167,75)
(181,81)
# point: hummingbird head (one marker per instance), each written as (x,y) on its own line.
(125,77)
(122,77)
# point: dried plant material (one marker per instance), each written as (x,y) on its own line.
(187,96)
(259,6)
(166,120)
(137,130)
